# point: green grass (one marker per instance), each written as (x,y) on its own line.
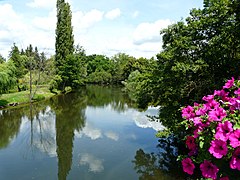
(23,96)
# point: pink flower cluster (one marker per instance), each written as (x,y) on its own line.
(215,129)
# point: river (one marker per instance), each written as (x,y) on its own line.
(96,133)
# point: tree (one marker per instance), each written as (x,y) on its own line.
(7,76)
(2,59)
(198,55)
(18,61)
(64,45)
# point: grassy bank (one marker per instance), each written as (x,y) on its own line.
(16,98)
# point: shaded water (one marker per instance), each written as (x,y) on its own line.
(96,133)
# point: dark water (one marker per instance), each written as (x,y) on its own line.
(96,133)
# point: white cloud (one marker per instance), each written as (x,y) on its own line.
(12,29)
(95,164)
(112,135)
(42,3)
(46,23)
(144,122)
(90,131)
(149,32)
(135,14)
(113,14)
(86,20)
(47,4)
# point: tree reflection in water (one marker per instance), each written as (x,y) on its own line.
(70,116)
(161,165)
(10,122)
(48,127)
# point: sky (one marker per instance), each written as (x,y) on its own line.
(103,27)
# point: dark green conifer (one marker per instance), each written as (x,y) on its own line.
(64,45)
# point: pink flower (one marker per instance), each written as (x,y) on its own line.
(224,178)
(208,98)
(224,130)
(197,131)
(212,105)
(235,138)
(202,111)
(223,94)
(193,152)
(217,114)
(195,104)
(197,121)
(188,112)
(188,166)
(234,104)
(229,83)
(235,160)
(237,92)
(218,148)
(209,170)
(190,142)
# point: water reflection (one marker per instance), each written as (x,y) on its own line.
(161,164)
(94,130)
(9,128)
(70,116)
(95,164)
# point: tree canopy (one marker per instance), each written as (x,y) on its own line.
(199,54)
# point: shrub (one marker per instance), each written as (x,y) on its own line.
(213,134)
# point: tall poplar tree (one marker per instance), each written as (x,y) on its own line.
(64,45)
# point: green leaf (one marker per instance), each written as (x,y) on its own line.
(236,126)
(201,144)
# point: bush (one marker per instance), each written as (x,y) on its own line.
(38,97)
(213,134)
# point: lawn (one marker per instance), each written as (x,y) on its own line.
(23,96)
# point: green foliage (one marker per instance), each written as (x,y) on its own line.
(2,59)
(74,71)
(18,61)
(101,77)
(38,97)
(198,55)
(123,66)
(54,83)
(64,43)
(7,76)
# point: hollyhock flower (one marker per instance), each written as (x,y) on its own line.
(234,138)
(188,166)
(235,160)
(217,114)
(190,142)
(229,83)
(218,148)
(208,98)
(224,130)
(209,170)
(188,112)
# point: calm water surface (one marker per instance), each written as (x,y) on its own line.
(93,134)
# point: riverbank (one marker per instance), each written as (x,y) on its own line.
(20,98)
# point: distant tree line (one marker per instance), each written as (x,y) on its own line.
(28,66)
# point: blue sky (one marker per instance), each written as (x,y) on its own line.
(101,26)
